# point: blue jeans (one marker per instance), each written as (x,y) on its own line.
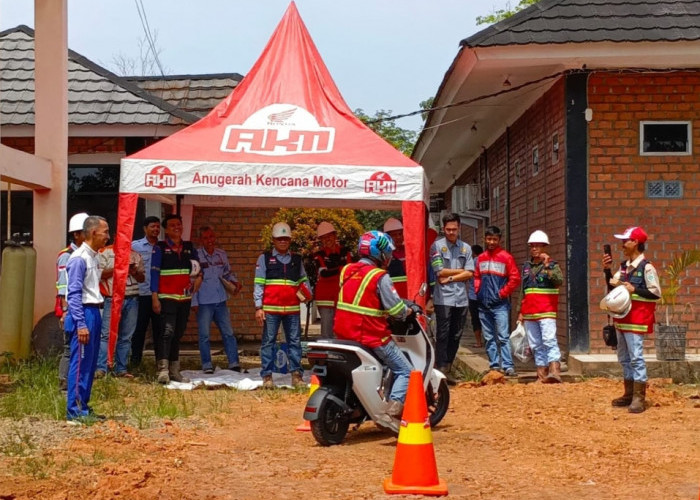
(206,313)
(127,325)
(542,337)
(630,354)
(292,334)
(392,357)
(494,328)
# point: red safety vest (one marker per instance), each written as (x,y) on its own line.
(327,287)
(282,281)
(359,315)
(175,268)
(540,297)
(641,317)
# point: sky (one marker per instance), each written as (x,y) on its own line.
(382,54)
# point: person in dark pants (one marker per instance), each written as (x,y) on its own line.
(451,260)
(173,263)
(144,246)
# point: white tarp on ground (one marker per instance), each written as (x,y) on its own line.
(228,378)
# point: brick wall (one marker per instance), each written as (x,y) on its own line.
(617,176)
(536,199)
(238,232)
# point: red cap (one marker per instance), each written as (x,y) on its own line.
(633,233)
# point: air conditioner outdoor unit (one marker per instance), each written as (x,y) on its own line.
(465,198)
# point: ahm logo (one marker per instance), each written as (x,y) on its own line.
(161,177)
(380,183)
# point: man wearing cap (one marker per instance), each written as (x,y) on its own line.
(329,260)
(281,285)
(397,268)
(172,263)
(75,229)
(640,279)
(209,302)
(452,263)
(541,279)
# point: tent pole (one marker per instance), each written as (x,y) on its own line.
(178,203)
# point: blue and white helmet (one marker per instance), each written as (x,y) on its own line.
(377,246)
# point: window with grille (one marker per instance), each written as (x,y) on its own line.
(664,189)
(665,138)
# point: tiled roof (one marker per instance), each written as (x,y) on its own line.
(95,95)
(196,94)
(581,21)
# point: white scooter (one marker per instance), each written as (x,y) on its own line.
(355,386)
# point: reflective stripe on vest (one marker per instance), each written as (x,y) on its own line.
(354,307)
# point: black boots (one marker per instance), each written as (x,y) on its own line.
(626,398)
(638,397)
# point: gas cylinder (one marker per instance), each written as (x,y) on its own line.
(14,260)
(25,337)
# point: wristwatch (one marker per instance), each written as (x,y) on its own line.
(450,279)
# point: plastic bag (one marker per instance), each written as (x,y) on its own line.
(519,346)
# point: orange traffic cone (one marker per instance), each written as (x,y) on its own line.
(415,470)
(305,426)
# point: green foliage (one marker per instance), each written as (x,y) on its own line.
(375,219)
(427,104)
(304,221)
(401,138)
(34,390)
(501,14)
(675,272)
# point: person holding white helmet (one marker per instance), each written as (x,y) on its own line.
(75,230)
(171,296)
(397,267)
(541,279)
(639,277)
(281,285)
(367,296)
(328,260)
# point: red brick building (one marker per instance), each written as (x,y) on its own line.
(578,121)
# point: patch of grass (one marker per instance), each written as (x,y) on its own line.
(95,458)
(34,389)
(16,442)
(37,467)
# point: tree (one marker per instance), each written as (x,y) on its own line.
(401,138)
(146,64)
(426,105)
(304,221)
(500,15)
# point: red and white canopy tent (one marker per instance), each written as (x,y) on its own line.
(284,137)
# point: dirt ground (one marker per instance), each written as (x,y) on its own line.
(513,441)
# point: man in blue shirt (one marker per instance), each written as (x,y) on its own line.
(451,260)
(144,246)
(209,303)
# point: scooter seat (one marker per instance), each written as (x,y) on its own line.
(332,342)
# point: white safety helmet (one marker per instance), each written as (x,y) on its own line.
(392,224)
(325,228)
(617,303)
(281,230)
(76,222)
(538,237)
(196,269)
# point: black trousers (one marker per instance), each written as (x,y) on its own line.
(138,340)
(450,323)
(174,314)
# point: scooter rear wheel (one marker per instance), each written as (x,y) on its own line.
(331,426)
(438,402)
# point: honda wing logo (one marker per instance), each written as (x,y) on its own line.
(160,177)
(279,130)
(380,183)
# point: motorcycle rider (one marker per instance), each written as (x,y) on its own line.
(367,295)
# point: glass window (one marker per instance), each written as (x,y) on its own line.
(665,138)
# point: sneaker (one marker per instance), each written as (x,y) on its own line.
(100,374)
(297,381)
(510,372)
(235,369)
(209,370)
(267,382)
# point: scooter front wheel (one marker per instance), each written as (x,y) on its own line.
(332,425)
(438,402)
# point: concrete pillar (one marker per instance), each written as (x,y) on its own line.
(51,135)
